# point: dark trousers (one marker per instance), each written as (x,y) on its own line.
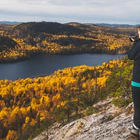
(136,101)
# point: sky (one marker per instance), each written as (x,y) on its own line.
(64,11)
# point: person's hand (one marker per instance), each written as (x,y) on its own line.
(132,39)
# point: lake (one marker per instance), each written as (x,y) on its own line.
(46,64)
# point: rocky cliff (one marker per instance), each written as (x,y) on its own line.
(111,123)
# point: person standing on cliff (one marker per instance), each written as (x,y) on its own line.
(134,54)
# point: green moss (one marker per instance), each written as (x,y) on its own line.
(91,109)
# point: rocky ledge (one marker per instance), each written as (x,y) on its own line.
(111,123)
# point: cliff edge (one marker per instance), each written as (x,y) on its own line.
(111,123)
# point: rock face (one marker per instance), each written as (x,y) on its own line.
(111,123)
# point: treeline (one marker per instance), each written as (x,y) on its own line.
(28,106)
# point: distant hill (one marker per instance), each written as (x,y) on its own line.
(101,24)
(107,24)
(106,28)
(33,28)
(10,22)
(71,28)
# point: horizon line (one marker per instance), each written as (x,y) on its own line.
(71,22)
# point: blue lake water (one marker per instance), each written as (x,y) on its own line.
(46,64)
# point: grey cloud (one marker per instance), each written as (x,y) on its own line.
(80,2)
(52,2)
(73,10)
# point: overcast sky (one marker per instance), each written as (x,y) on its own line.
(84,11)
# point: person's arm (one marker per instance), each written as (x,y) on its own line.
(134,53)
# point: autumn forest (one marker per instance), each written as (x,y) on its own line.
(29,106)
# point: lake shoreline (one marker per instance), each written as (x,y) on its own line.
(42,53)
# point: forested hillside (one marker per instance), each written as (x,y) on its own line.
(7,43)
(28,106)
(55,38)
